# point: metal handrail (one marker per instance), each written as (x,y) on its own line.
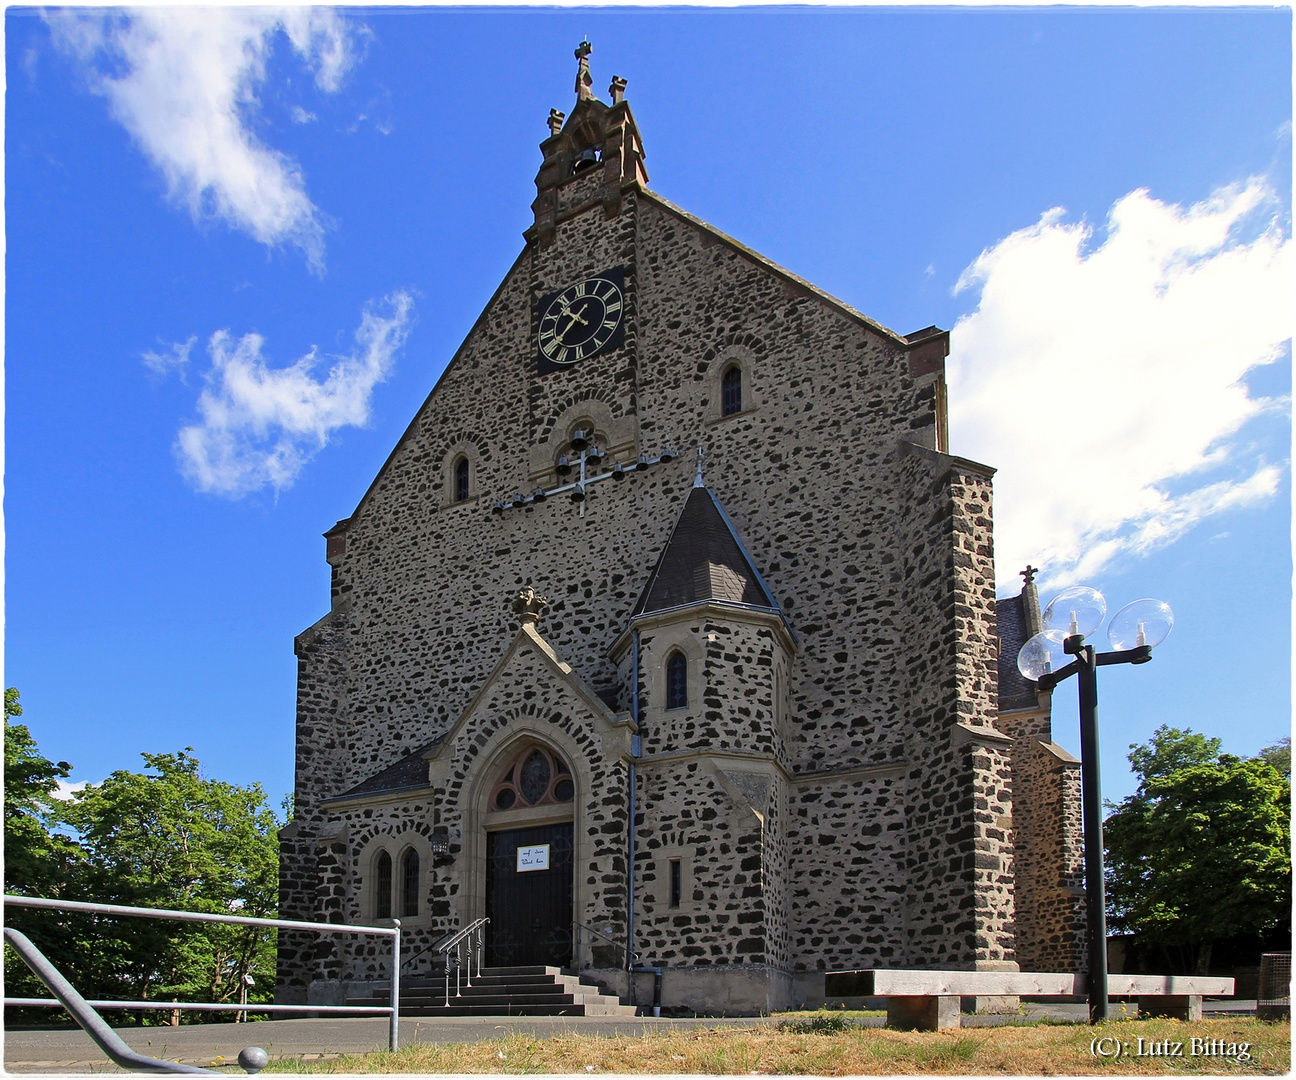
(393,932)
(91,1022)
(473,935)
(599,934)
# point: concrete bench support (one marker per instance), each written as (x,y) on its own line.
(925,999)
(1174,1006)
(924,1013)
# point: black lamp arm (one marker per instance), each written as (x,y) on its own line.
(1141,654)
(1047,682)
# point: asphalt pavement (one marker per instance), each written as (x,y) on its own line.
(57,1051)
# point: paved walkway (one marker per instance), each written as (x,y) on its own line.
(65,1050)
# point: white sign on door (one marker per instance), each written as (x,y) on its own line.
(533,858)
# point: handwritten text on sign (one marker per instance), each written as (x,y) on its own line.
(533,858)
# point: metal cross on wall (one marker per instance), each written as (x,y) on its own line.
(591,458)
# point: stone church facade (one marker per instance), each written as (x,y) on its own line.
(740,704)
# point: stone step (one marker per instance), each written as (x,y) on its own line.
(516,991)
(586,1009)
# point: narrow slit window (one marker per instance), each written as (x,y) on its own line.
(383,887)
(410,884)
(461,480)
(677,681)
(676,883)
(731,391)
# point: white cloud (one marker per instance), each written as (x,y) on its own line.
(176,360)
(1104,382)
(259,425)
(65,791)
(301,116)
(184,81)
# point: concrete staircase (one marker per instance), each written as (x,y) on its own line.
(506,991)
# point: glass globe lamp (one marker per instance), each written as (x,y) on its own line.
(1042,655)
(1077,610)
(1143,622)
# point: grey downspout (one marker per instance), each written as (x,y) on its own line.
(636,747)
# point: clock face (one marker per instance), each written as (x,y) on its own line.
(583,319)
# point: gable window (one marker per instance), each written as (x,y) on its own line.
(383,886)
(677,681)
(676,883)
(410,883)
(731,391)
(461,480)
(536,777)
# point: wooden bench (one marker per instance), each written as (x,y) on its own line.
(921,999)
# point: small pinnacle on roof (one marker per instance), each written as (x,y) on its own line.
(1029,574)
(584,80)
(617,89)
(697,480)
(555,121)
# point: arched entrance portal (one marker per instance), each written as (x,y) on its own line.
(529,861)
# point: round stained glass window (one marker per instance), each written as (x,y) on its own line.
(504,799)
(533,777)
(564,790)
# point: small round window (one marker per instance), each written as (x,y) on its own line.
(536,777)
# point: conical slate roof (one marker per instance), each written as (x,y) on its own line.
(704,560)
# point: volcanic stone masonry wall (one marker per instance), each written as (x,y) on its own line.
(882,563)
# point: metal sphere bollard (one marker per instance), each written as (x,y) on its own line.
(253,1059)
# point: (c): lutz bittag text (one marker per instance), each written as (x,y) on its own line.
(1109,1046)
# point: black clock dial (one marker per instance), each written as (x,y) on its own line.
(580,321)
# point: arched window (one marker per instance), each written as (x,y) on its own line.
(677,681)
(410,883)
(383,886)
(461,479)
(731,391)
(536,777)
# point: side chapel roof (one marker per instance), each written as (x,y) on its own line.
(1018,618)
(704,559)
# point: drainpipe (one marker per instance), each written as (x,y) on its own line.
(636,747)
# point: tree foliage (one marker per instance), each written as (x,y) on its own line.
(1201,851)
(166,837)
(36,857)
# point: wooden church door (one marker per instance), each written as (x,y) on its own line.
(529,896)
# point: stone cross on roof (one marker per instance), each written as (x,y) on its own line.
(584,80)
(527,604)
(1029,573)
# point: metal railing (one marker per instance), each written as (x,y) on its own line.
(598,934)
(636,967)
(393,932)
(473,937)
(83,1013)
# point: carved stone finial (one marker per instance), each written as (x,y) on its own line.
(697,480)
(584,80)
(617,89)
(555,121)
(1029,574)
(527,604)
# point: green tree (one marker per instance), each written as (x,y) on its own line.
(171,838)
(1202,850)
(39,860)
(1279,755)
(36,857)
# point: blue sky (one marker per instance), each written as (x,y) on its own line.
(242,245)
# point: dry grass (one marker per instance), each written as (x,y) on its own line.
(1040,1049)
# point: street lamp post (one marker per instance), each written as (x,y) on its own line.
(1134,632)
